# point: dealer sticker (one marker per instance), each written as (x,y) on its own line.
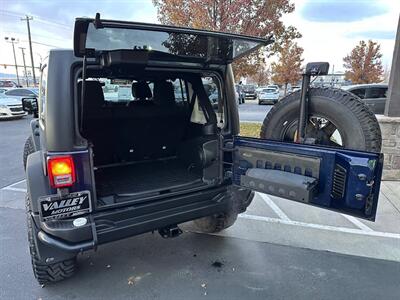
(60,207)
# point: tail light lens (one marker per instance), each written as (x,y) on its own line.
(61,171)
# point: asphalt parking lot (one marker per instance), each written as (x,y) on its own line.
(277,249)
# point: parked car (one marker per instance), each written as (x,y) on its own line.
(19,93)
(98,171)
(250,91)
(273,86)
(373,95)
(268,96)
(293,89)
(11,108)
(8,84)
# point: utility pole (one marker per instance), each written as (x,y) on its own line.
(23,58)
(13,41)
(27,19)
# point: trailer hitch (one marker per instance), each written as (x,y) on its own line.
(312,69)
(170,231)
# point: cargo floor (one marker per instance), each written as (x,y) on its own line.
(154,176)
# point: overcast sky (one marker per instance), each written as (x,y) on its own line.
(330,28)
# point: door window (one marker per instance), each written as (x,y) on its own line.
(359,92)
(376,92)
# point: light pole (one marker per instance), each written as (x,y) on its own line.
(23,58)
(13,41)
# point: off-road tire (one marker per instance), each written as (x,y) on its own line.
(29,148)
(216,223)
(219,222)
(347,112)
(43,272)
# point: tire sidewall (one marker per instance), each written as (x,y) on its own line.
(341,116)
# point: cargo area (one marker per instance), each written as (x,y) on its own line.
(146,144)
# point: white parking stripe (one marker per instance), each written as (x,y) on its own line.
(358,223)
(9,188)
(322,227)
(15,183)
(274,207)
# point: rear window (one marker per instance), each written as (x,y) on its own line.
(269,90)
(207,46)
(120,90)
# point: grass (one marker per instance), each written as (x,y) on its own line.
(250,129)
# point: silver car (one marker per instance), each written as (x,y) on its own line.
(268,96)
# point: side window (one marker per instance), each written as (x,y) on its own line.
(213,90)
(42,93)
(180,92)
(12,93)
(359,92)
(377,92)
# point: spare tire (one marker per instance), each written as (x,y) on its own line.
(336,118)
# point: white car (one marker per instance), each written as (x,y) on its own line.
(268,96)
(11,108)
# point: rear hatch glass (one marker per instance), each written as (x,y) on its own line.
(180,43)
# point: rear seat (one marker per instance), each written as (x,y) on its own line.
(149,129)
(97,122)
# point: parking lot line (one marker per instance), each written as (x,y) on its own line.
(274,207)
(357,223)
(15,183)
(322,227)
(10,188)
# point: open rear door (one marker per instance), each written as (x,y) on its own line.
(346,181)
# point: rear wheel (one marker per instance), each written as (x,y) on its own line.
(240,200)
(45,272)
(336,118)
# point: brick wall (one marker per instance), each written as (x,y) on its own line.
(390,127)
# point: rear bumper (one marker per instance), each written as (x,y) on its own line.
(267,101)
(250,95)
(114,224)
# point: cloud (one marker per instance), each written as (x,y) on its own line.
(373,35)
(339,11)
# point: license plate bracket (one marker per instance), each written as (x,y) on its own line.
(61,207)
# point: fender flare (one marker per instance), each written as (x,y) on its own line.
(36,181)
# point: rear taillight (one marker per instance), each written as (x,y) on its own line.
(61,171)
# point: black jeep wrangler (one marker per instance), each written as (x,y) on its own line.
(127,141)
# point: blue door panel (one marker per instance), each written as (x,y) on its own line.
(347,181)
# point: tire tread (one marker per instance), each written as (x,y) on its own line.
(367,119)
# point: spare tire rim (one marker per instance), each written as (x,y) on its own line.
(320,130)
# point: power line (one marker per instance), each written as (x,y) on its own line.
(37,18)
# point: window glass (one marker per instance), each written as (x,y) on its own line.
(13,93)
(359,92)
(120,90)
(42,92)
(377,92)
(180,90)
(212,48)
(213,91)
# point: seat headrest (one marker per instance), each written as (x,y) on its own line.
(164,92)
(93,93)
(141,90)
